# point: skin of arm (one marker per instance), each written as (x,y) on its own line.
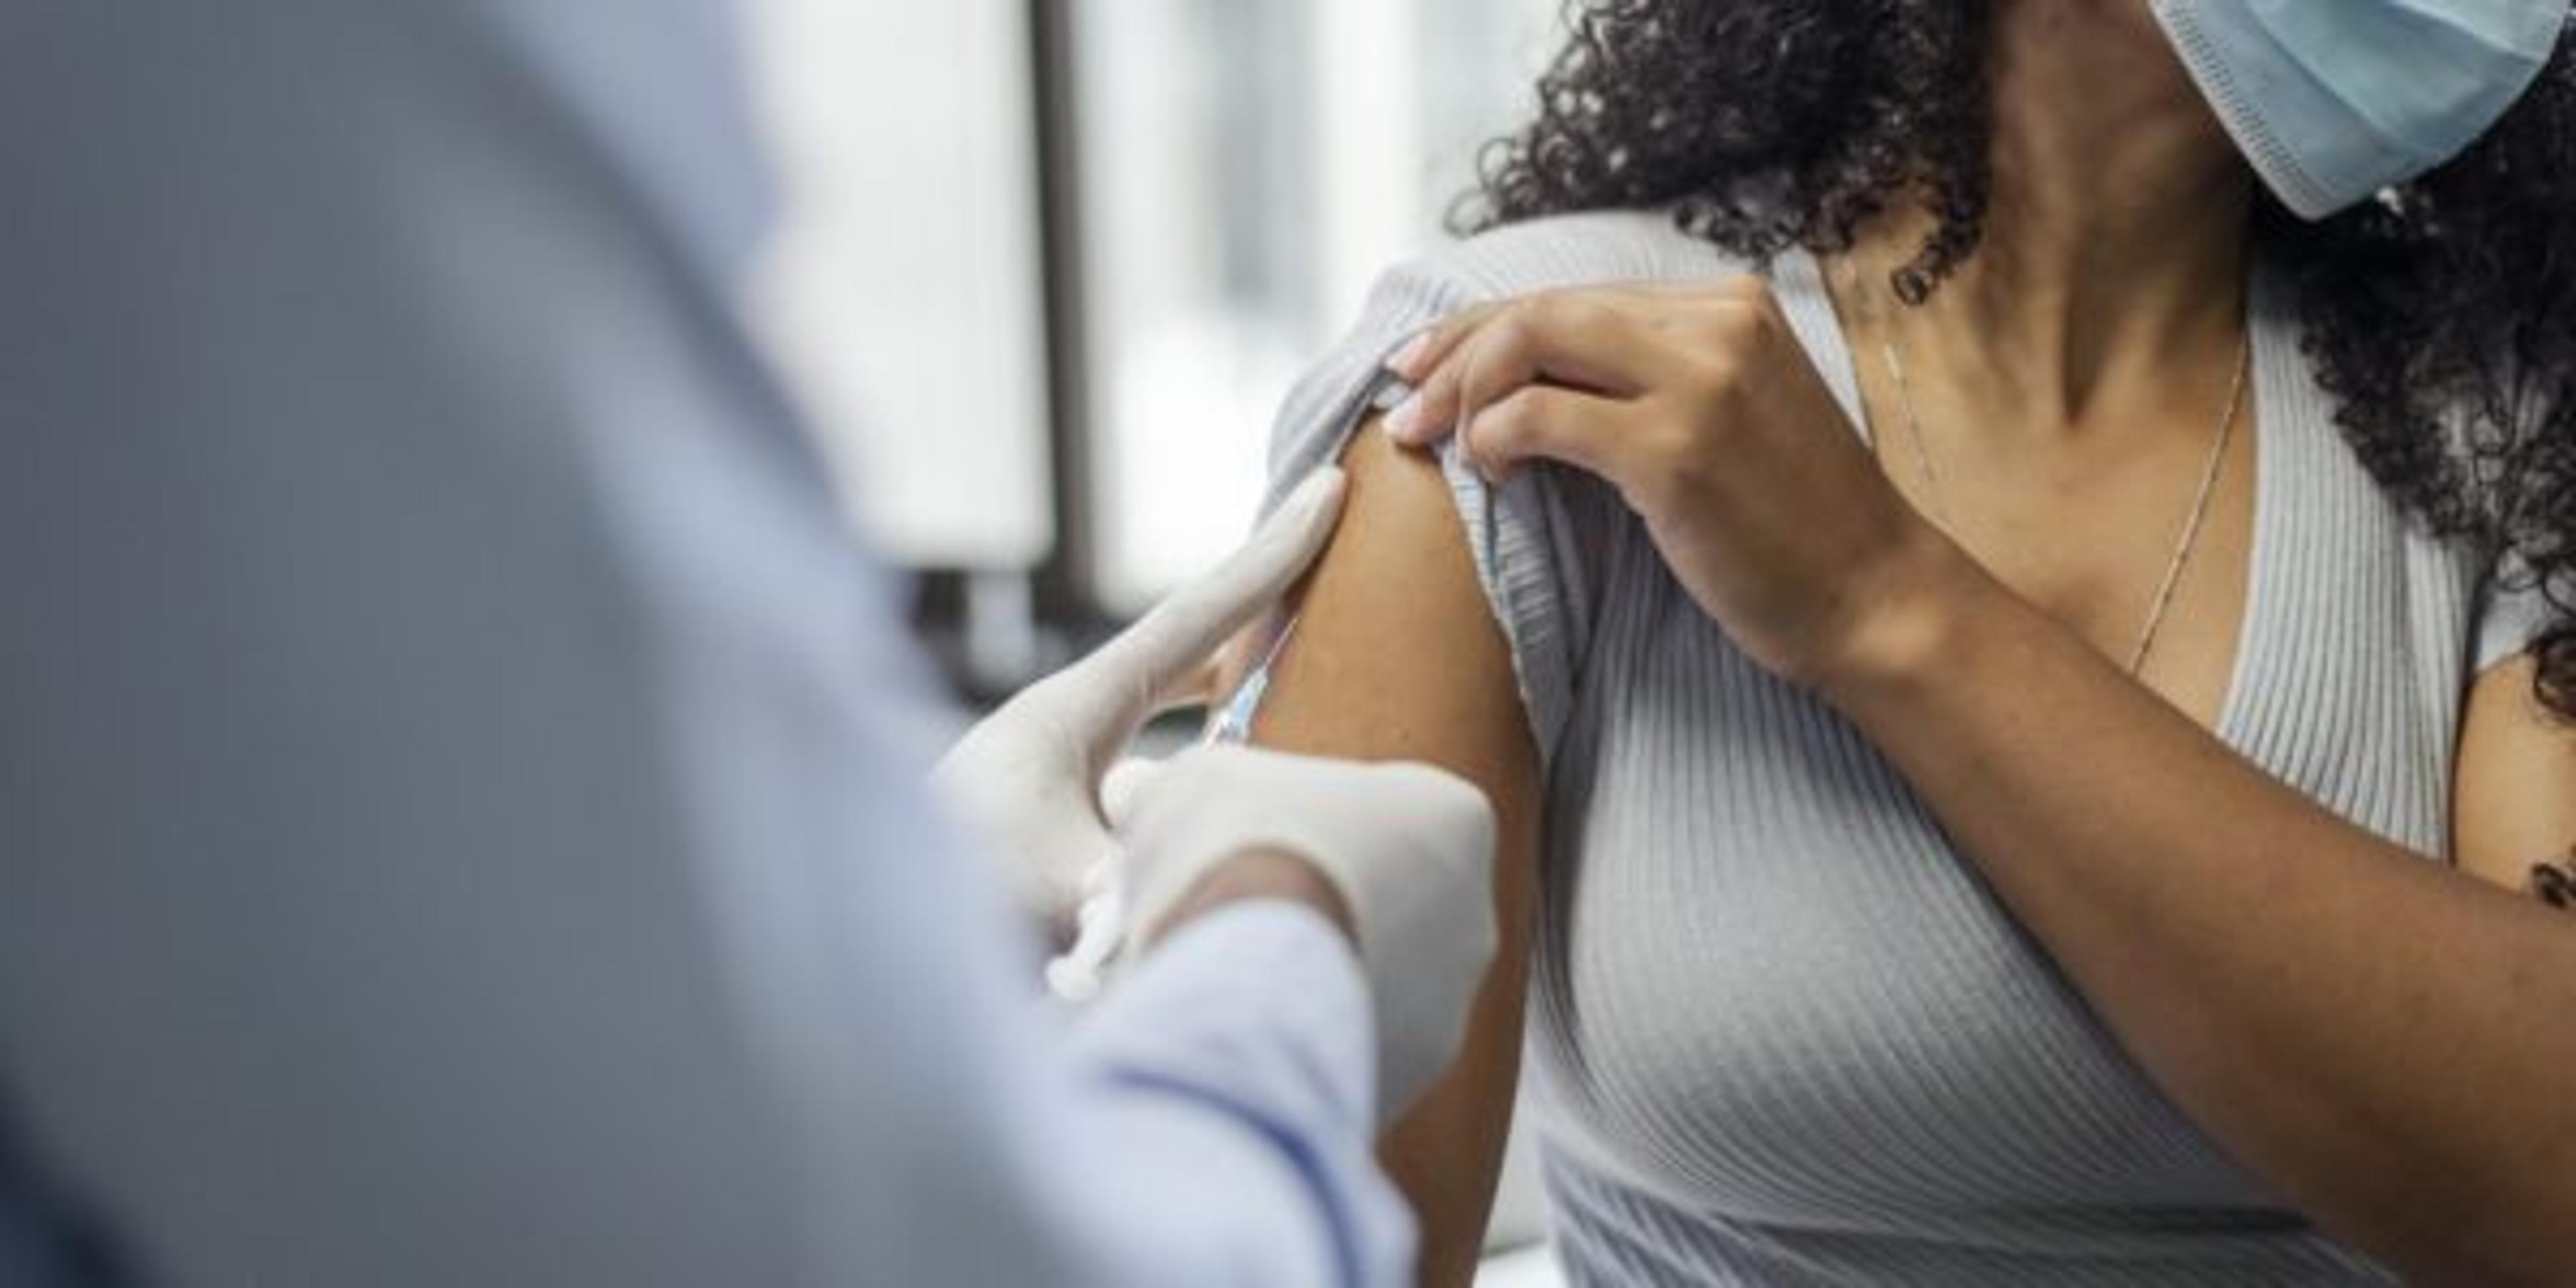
(2381,1037)
(1347,685)
(2515,799)
(2385,1042)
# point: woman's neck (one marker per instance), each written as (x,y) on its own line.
(2114,245)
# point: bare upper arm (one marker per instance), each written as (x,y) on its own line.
(2514,803)
(1397,657)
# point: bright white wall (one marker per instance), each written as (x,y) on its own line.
(902,297)
(1250,166)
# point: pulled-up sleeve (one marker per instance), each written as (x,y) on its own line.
(1536,539)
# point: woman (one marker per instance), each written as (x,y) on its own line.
(1969,706)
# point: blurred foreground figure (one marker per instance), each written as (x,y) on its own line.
(458,819)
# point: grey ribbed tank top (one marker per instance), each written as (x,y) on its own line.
(1780,1031)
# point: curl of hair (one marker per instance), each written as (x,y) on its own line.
(2441,318)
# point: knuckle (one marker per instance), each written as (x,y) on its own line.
(1735,326)
(1678,461)
(1694,476)
(1646,493)
(1745,288)
(1577,311)
(1463,321)
(1653,487)
(1510,420)
(1713,372)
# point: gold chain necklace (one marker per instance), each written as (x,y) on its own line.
(2185,544)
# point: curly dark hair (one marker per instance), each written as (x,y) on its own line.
(2442,318)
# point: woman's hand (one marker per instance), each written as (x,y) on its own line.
(1701,407)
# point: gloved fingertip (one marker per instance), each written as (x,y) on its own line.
(1321,489)
(1125,786)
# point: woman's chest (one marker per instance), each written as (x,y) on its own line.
(1767,981)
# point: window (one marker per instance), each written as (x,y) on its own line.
(1247,167)
(902,296)
(1240,171)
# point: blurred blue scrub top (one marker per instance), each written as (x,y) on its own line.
(457,819)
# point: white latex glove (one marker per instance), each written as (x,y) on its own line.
(1410,848)
(1029,776)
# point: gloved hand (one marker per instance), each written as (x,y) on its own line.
(1410,848)
(1030,775)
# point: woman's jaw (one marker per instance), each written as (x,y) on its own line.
(2117,211)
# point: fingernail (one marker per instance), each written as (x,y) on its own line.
(1403,362)
(1401,423)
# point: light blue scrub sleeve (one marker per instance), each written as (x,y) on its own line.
(461,811)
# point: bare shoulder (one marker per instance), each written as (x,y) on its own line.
(1397,655)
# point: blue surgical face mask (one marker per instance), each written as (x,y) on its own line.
(2334,100)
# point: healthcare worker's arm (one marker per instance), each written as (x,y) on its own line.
(1399,570)
(457,819)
